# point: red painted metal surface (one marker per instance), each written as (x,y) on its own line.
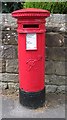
(31,62)
(31,12)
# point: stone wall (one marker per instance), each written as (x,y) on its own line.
(56,46)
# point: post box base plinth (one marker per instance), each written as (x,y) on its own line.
(32,100)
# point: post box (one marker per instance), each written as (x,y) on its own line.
(31,55)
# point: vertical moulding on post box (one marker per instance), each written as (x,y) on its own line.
(31,55)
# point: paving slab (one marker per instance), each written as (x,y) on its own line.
(54,107)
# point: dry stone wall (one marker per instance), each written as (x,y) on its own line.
(56,48)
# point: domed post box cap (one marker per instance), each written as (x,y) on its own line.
(31,12)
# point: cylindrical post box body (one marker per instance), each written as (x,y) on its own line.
(31,55)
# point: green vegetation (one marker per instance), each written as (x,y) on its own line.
(8,7)
(53,7)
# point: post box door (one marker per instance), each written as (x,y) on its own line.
(31,61)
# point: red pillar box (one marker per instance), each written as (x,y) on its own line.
(31,55)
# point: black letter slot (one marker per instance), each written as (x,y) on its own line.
(31,26)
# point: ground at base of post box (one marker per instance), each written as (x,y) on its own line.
(54,107)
